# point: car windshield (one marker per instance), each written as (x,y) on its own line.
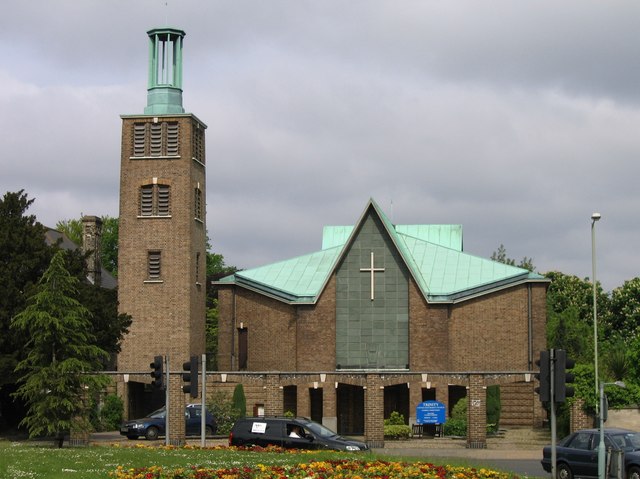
(319,429)
(629,441)
(160,413)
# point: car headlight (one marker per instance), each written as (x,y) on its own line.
(353,448)
(137,426)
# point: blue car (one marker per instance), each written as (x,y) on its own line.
(153,426)
(577,454)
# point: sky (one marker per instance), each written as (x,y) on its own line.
(516,119)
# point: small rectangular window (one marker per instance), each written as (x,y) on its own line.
(154,264)
(243,348)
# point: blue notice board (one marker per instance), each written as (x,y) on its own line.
(430,412)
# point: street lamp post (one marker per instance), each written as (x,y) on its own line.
(601,449)
(594,217)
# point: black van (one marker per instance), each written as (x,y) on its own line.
(292,433)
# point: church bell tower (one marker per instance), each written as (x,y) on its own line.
(162,229)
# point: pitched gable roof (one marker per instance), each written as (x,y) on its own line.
(432,253)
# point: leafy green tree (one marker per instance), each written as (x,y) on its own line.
(501,257)
(625,309)
(216,269)
(565,330)
(109,256)
(25,256)
(568,291)
(211,333)
(59,351)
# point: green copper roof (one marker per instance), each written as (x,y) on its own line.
(433,254)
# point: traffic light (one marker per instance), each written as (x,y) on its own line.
(190,377)
(562,377)
(157,372)
(544,389)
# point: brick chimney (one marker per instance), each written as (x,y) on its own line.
(92,244)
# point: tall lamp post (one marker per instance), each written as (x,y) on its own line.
(594,217)
(601,450)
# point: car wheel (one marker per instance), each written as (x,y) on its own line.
(634,473)
(208,431)
(563,471)
(152,433)
(133,437)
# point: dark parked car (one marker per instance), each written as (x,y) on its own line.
(291,433)
(153,426)
(577,454)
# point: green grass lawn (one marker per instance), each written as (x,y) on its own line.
(31,460)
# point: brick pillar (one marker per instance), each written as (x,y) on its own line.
(415,398)
(177,403)
(329,408)
(477,413)
(122,389)
(374,412)
(578,417)
(442,395)
(303,406)
(273,396)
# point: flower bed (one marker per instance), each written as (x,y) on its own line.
(338,469)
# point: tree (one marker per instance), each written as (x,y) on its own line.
(216,269)
(109,257)
(566,331)
(25,256)
(625,309)
(568,291)
(60,349)
(501,257)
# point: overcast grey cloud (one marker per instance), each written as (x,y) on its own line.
(515,119)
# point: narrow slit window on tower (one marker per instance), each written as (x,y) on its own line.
(198,268)
(198,203)
(153,265)
(197,144)
(172,139)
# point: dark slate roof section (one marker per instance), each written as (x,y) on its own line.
(52,237)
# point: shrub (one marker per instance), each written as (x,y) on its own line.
(455,427)
(395,419)
(111,413)
(459,411)
(238,400)
(397,431)
(223,411)
(493,408)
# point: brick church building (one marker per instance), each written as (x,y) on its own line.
(381,318)
(378,320)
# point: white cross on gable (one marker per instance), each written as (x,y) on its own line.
(371,269)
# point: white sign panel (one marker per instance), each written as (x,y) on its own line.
(259,427)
